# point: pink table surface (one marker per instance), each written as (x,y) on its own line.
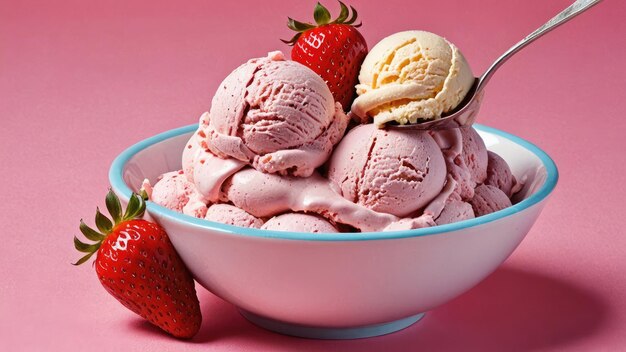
(82,80)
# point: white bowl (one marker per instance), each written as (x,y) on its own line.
(341,285)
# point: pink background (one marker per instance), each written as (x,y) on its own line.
(82,80)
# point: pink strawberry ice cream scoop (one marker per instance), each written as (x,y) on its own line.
(454,211)
(389,171)
(175,192)
(474,154)
(276,115)
(499,174)
(231,215)
(466,158)
(205,170)
(488,199)
(300,223)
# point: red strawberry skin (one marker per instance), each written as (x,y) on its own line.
(335,52)
(138,265)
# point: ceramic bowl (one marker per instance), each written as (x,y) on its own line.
(341,285)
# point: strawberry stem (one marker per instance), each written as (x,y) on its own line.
(322,17)
(135,209)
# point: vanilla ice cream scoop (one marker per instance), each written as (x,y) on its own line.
(411,76)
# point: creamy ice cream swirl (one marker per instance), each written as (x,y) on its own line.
(411,76)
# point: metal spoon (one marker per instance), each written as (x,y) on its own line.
(465,113)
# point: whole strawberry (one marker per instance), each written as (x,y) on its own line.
(137,264)
(333,49)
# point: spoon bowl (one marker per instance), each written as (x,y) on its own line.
(463,115)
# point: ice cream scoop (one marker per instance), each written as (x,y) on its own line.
(474,154)
(201,167)
(499,175)
(488,199)
(175,192)
(393,172)
(465,156)
(231,215)
(465,113)
(299,222)
(276,115)
(455,210)
(411,76)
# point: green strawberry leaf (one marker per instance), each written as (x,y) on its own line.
(321,15)
(84,259)
(90,233)
(293,40)
(131,209)
(343,14)
(353,17)
(84,247)
(298,26)
(136,207)
(142,207)
(113,206)
(103,223)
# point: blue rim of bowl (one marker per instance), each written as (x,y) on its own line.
(118,185)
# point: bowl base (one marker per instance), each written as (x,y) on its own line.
(312,332)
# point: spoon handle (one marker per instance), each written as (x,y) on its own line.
(574,9)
